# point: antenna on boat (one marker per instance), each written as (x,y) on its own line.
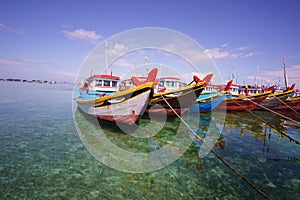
(106,48)
(232,74)
(284,73)
(147,64)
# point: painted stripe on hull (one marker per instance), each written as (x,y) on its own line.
(240,105)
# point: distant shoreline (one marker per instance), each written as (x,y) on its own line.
(35,81)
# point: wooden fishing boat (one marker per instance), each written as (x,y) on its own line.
(247,103)
(99,97)
(290,104)
(179,99)
(275,99)
(210,98)
(125,107)
(207,104)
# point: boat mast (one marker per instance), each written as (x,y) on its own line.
(106,47)
(147,64)
(284,73)
(233,74)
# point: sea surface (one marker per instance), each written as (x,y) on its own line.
(42,156)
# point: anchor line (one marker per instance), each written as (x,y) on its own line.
(216,154)
(292,139)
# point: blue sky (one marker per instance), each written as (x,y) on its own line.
(50,39)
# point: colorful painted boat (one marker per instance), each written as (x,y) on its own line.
(100,97)
(207,104)
(247,103)
(274,100)
(179,99)
(122,107)
(289,105)
(210,98)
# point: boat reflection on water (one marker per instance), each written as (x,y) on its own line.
(266,135)
(257,124)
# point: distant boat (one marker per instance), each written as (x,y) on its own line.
(291,103)
(275,99)
(100,97)
(247,103)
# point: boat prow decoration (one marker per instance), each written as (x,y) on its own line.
(271,88)
(227,88)
(292,87)
(206,79)
(151,78)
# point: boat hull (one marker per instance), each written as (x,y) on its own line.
(290,104)
(126,108)
(179,100)
(207,105)
(237,104)
(273,101)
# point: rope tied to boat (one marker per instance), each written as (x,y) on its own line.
(216,154)
(287,105)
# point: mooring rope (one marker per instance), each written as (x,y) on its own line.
(287,105)
(217,155)
(276,113)
(292,139)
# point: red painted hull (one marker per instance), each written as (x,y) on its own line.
(240,104)
(179,103)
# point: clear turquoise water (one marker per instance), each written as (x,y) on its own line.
(42,156)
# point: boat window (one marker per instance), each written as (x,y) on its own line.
(99,83)
(106,83)
(161,84)
(172,83)
(114,83)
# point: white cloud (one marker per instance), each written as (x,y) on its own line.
(294,56)
(250,54)
(224,45)
(19,31)
(4,61)
(224,52)
(2,26)
(275,75)
(117,50)
(242,48)
(64,73)
(217,53)
(25,62)
(81,34)
(123,63)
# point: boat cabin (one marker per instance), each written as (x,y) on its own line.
(234,90)
(252,90)
(169,83)
(101,84)
(210,89)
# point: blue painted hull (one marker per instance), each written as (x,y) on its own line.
(208,105)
